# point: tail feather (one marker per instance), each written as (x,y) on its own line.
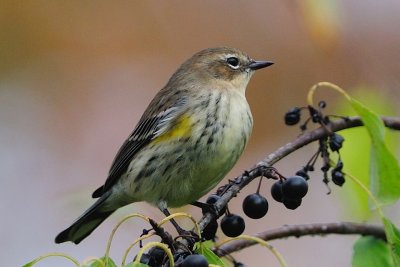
(85,224)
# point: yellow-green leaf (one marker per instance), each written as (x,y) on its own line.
(211,257)
(100,262)
(29,264)
(384,167)
(109,261)
(371,252)
(393,237)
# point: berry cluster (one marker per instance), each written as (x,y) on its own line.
(293,116)
(327,145)
(290,191)
(255,206)
(156,257)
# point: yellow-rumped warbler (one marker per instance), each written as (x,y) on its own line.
(189,137)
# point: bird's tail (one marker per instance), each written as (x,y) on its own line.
(86,224)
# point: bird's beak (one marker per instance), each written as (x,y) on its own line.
(255,65)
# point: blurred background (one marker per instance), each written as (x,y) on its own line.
(75,77)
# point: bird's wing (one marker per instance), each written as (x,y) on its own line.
(148,128)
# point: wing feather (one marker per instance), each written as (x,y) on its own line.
(146,130)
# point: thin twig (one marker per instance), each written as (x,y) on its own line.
(342,228)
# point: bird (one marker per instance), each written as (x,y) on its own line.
(188,138)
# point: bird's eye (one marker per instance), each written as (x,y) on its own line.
(233,62)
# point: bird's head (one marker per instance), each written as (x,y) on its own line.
(219,66)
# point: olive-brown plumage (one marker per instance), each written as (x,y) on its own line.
(189,137)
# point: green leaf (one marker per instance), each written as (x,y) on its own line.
(211,257)
(29,264)
(393,237)
(355,157)
(109,261)
(356,150)
(94,263)
(101,262)
(384,167)
(371,252)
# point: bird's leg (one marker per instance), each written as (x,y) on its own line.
(189,236)
(179,229)
(165,236)
(182,232)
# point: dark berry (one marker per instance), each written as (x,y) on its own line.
(195,260)
(339,166)
(325,167)
(335,141)
(238,264)
(232,225)
(338,177)
(179,258)
(147,259)
(157,255)
(295,187)
(210,230)
(255,206)
(292,117)
(276,191)
(314,114)
(315,117)
(303,174)
(291,204)
(322,104)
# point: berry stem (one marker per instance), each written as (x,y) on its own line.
(227,212)
(329,85)
(259,185)
(313,160)
(303,127)
(271,173)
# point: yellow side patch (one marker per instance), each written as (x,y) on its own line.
(182,127)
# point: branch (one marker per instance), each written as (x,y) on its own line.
(241,181)
(343,228)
